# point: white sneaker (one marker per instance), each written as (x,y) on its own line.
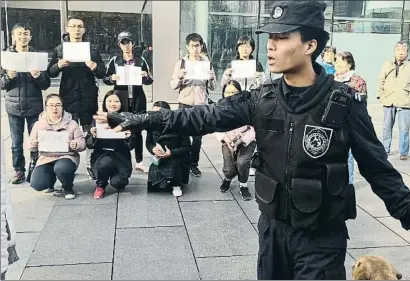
(141,167)
(176,191)
(69,196)
(251,172)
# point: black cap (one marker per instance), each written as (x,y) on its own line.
(287,16)
(124,35)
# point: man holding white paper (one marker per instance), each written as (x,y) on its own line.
(193,92)
(23,99)
(128,71)
(78,86)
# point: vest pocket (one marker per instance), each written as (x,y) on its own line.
(265,188)
(306,195)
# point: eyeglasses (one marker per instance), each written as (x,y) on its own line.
(55,105)
(76,26)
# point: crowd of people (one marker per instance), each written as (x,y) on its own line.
(174,156)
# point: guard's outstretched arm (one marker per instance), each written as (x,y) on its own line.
(227,114)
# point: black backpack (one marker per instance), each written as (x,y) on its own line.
(206,84)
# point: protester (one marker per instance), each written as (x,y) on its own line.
(8,232)
(345,73)
(171,162)
(23,99)
(328,59)
(111,158)
(132,97)
(244,50)
(238,146)
(78,86)
(56,164)
(192,92)
(394,81)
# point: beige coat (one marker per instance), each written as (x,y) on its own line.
(191,92)
(394,90)
(66,124)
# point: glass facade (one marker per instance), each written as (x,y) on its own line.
(354,25)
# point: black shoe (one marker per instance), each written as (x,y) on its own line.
(225,186)
(246,195)
(18,178)
(195,171)
(91,175)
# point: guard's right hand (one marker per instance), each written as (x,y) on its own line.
(62,63)
(12,74)
(182,74)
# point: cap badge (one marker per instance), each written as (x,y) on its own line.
(277,13)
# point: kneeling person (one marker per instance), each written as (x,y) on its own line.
(171,164)
(111,158)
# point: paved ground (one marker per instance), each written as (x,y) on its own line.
(203,235)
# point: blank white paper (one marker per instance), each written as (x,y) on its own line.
(76,52)
(197,70)
(50,141)
(243,69)
(129,75)
(103,133)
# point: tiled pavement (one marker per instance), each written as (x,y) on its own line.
(202,235)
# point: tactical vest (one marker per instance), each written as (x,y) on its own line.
(301,164)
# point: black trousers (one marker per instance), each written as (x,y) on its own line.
(45,176)
(196,143)
(107,170)
(286,253)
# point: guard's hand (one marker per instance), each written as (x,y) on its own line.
(182,74)
(166,154)
(93,131)
(91,65)
(101,117)
(144,74)
(115,77)
(35,73)
(12,74)
(62,63)
(73,144)
(118,129)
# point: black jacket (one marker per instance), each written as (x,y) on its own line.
(78,87)
(137,91)
(120,152)
(23,93)
(290,152)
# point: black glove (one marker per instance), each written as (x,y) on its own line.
(128,120)
(405,220)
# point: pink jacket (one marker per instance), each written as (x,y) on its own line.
(245,133)
(74,133)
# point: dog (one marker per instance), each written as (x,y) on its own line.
(374,268)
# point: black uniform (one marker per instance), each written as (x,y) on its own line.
(301,181)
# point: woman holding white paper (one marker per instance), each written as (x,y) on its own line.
(111,158)
(244,49)
(50,164)
(132,96)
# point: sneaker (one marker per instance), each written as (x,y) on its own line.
(141,167)
(246,195)
(49,190)
(404,157)
(251,172)
(225,186)
(176,191)
(195,171)
(99,193)
(91,175)
(69,194)
(18,178)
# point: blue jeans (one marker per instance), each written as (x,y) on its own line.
(403,116)
(389,119)
(16,124)
(45,176)
(350,166)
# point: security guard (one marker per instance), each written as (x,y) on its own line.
(305,124)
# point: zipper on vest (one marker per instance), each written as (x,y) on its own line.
(287,179)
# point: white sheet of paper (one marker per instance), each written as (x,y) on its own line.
(50,141)
(76,52)
(243,68)
(103,133)
(197,70)
(24,61)
(129,75)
